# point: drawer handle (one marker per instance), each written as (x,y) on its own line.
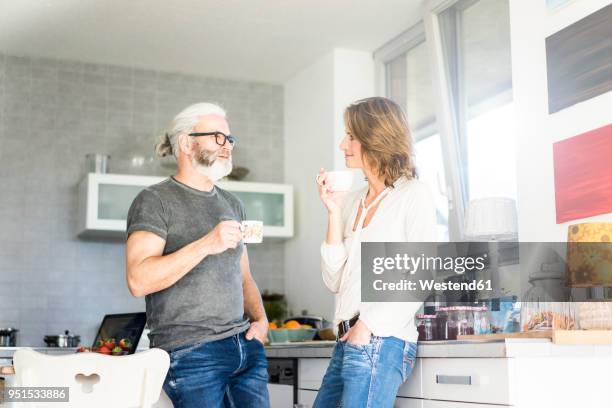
(454,379)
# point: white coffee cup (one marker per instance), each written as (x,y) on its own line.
(339,180)
(252,231)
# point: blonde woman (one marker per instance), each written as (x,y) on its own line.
(376,350)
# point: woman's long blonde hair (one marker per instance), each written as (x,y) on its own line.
(381,127)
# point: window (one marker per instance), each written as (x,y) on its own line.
(430,165)
(476,47)
(452,74)
(492,157)
(409,83)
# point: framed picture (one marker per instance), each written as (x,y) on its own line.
(578,61)
(583,175)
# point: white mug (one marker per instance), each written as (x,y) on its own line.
(252,231)
(339,180)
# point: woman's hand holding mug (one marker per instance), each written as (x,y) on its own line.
(330,198)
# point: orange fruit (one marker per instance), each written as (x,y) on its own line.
(292,324)
(272,325)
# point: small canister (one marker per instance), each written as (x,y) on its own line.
(426,327)
(441,323)
(97,163)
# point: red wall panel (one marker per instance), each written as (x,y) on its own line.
(583,175)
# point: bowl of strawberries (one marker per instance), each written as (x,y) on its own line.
(110,347)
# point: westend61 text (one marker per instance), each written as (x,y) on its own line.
(429,285)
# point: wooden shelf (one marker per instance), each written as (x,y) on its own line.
(582,337)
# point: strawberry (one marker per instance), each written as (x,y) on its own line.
(125,344)
(104,350)
(99,344)
(109,343)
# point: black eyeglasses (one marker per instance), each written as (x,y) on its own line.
(220,137)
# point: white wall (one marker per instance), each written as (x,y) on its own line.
(531,22)
(314,101)
(353,79)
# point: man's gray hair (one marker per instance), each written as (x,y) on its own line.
(184,122)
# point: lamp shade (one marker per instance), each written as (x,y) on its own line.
(491,218)
(589,254)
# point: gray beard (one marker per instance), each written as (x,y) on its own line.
(216,171)
(207,164)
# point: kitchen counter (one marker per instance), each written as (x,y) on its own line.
(456,349)
(6,353)
(309,349)
(42,349)
(522,373)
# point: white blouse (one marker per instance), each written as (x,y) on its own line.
(405,214)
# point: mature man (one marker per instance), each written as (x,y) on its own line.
(185,254)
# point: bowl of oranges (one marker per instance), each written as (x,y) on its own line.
(290,331)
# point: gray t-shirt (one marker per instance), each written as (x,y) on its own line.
(207,303)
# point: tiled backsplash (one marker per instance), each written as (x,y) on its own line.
(52,113)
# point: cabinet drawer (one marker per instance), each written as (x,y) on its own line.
(485,380)
(413,387)
(311,372)
(446,404)
(407,403)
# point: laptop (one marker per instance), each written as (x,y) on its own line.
(122,326)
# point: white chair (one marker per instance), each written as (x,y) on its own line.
(95,380)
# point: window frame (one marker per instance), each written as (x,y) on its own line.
(414,36)
(403,43)
(450,104)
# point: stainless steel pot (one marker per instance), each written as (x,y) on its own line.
(8,337)
(63,340)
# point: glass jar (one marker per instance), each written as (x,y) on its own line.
(460,322)
(440,332)
(426,325)
(482,324)
(542,309)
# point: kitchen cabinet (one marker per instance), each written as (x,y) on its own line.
(521,373)
(306,398)
(104,201)
(482,380)
(413,387)
(447,404)
(477,380)
(407,403)
(281,395)
(311,372)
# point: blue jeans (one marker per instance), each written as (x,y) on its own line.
(231,372)
(366,376)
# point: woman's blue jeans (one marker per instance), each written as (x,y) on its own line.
(366,376)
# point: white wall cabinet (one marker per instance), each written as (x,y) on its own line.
(104,201)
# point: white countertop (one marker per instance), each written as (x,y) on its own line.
(511,348)
(6,353)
